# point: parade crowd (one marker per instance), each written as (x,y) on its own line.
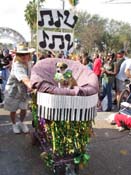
(112,70)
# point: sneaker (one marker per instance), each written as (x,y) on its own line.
(130,132)
(120,129)
(23,127)
(16,128)
(113,122)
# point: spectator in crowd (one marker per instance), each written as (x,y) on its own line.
(86,60)
(1,81)
(123,54)
(1,99)
(123,69)
(34,58)
(51,54)
(61,55)
(97,64)
(78,57)
(17,88)
(108,74)
(42,56)
(6,61)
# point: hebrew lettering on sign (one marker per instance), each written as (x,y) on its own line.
(55,41)
(56,18)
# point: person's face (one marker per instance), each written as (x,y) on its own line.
(5,54)
(84,61)
(25,58)
(94,56)
(109,60)
(119,55)
(78,58)
(108,57)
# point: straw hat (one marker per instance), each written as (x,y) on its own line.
(23,49)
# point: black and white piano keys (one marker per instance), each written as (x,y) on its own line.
(66,108)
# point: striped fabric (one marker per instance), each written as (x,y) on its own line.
(66,108)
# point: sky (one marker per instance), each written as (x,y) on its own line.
(12,12)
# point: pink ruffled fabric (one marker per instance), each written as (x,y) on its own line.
(42,78)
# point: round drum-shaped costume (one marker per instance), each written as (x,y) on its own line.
(64,115)
(56,103)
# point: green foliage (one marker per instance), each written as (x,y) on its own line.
(31,14)
(104,34)
(31,17)
(93,31)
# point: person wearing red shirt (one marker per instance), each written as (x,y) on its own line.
(97,65)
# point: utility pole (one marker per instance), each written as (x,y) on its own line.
(63,4)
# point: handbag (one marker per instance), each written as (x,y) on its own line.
(104,103)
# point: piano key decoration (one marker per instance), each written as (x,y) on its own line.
(66,108)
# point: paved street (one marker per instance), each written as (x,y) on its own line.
(110,150)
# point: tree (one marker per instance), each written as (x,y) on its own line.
(89,30)
(104,34)
(31,17)
(125,36)
(117,35)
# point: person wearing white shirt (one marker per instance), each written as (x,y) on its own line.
(123,74)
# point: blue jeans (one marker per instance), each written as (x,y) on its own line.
(5,76)
(107,90)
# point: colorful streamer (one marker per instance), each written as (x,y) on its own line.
(68,139)
(34,110)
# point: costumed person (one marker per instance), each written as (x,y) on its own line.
(123,122)
(17,88)
(61,80)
